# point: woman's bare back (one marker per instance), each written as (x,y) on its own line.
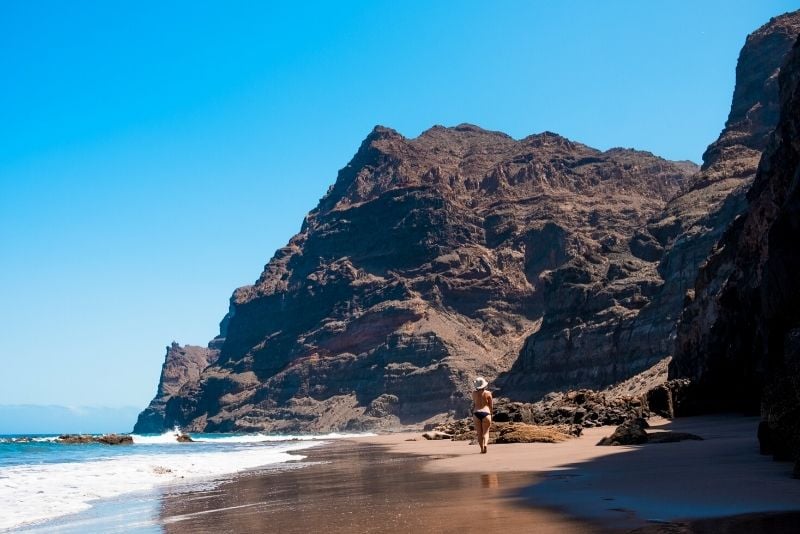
(481,401)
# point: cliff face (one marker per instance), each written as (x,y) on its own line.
(182,367)
(739,340)
(586,342)
(429,261)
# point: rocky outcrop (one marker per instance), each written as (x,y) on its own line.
(585,408)
(739,339)
(429,261)
(615,321)
(182,368)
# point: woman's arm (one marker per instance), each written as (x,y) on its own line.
(491,402)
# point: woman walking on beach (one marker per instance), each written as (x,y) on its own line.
(482,412)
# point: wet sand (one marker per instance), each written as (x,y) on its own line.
(358,487)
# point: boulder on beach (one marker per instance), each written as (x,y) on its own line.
(628,433)
(633,432)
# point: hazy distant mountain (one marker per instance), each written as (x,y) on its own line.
(51,419)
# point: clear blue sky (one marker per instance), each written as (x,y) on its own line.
(153,155)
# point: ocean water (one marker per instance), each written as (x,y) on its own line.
(42,479)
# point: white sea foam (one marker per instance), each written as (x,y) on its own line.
(166,438)
(23,439)
(36,492)
(170,437)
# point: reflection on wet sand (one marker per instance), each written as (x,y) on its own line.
(359,488)
(490,481)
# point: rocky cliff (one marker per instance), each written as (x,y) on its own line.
(429,261)
(588,340)
(182,368)
(739,338)
(542,261)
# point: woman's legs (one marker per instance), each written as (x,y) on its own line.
(478,432)
(485,424)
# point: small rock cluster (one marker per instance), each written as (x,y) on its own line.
(107,439)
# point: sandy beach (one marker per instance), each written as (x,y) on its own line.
(387,483)
(633,486)
(360,487)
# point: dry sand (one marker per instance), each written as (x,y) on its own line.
(628,487)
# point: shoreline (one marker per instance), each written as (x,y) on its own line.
(385,483)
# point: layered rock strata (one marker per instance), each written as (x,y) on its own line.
(429,261)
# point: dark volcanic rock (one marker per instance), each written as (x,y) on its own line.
(607,324)
(115,439)
(182,368)
(739,340)
(429,261)
(73,439)
(633,432)
(628,433)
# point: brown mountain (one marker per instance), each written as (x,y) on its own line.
(428,262)
(461,252)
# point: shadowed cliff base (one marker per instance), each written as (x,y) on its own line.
(739,336)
